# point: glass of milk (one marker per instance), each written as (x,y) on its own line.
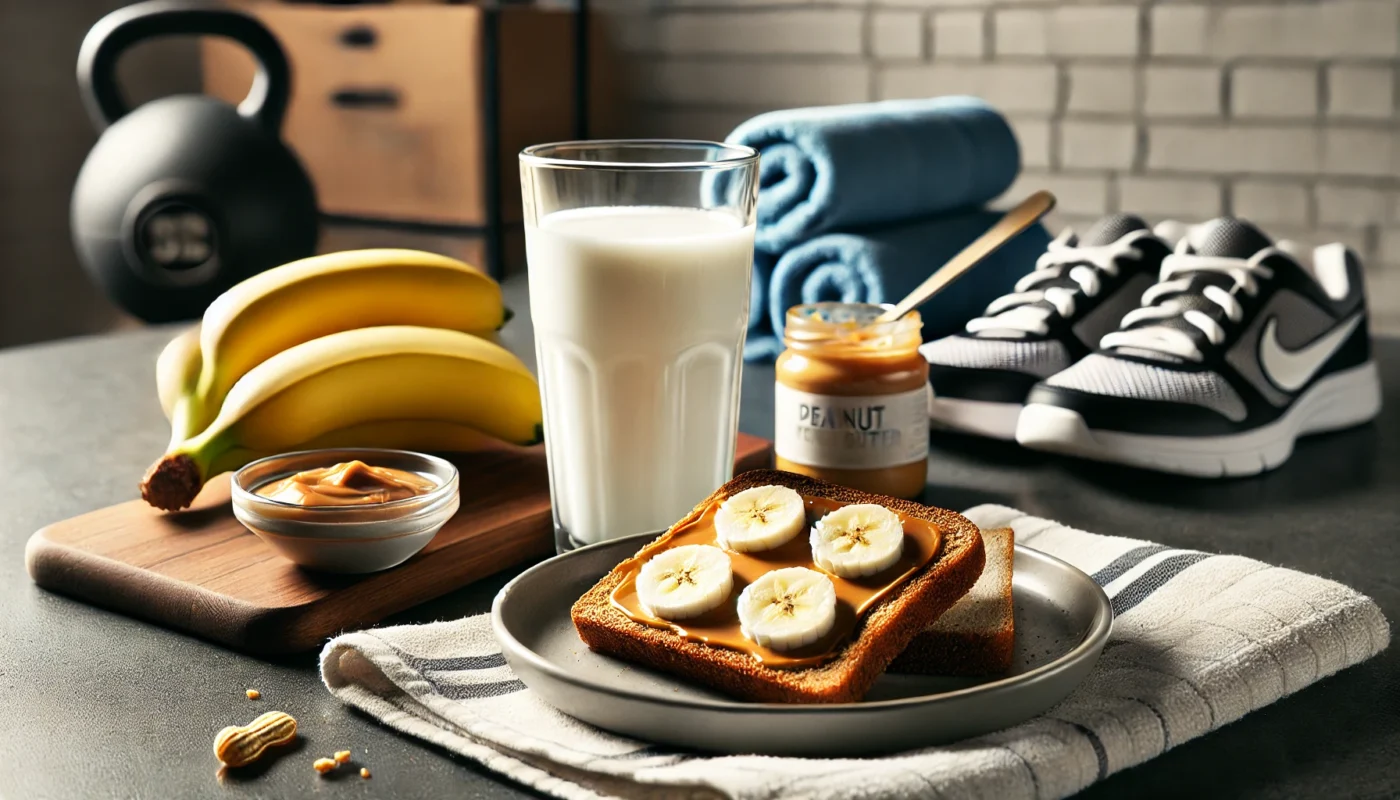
(640,256)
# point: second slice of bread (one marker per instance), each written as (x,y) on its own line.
(885,631)
(977,635)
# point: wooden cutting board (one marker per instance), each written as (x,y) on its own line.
(202,572)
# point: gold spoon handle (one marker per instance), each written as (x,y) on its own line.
(1016,220)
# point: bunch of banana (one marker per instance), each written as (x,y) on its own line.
(367,348)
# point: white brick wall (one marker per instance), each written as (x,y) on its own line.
(959,34)
(757,84)
(1034,136)
(1097,145)
(1349,206)
(1270,202)
(1068,31)
(1283,111)
(1274,92)
(793,32)
(1022,32)
(1310,30)
(1217,148)
(673,123)
(1182,199)
(1366,152)
(1361,91)
(1011,87)
(897,34)
(1075,195)
(1181,91)
(724,3)
(932,3)
(1094,31)
(1382,286)
(1179,30)
(1102,89)
(1390,253)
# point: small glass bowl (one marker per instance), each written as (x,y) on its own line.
(353,539)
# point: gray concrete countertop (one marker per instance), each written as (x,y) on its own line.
(100,705)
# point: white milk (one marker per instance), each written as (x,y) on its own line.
(639,316)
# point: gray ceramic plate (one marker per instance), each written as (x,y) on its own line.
(1062,621)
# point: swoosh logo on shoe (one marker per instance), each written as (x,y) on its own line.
(1290,370)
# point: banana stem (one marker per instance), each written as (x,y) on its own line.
(184,420)
(174,481)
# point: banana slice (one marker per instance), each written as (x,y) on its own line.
(857,540)
(760,518)
(787,608)
(685,581)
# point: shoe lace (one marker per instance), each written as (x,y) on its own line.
(1017,314)
(1164,301)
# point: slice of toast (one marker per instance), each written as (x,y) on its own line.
(977,636)
(885,631)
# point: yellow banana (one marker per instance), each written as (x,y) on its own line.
(423,435)
(177,369)
(352,378)
(314,297)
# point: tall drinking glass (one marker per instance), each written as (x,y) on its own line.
(640,257)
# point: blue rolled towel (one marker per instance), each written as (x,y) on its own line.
(882,265)
(843,167)
(761,344)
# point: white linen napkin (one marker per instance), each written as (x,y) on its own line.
(1199,641)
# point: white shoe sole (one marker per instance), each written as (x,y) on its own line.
(980,417)
(1335,402)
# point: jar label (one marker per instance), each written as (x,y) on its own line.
(839,432)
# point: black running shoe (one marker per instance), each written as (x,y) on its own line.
(1079,291)
(1241,348)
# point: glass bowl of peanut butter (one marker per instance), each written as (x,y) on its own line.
(351,510)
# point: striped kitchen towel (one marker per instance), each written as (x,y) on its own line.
(1200,640)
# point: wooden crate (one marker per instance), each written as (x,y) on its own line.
(392,105)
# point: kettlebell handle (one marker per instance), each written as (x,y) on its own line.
(113,34)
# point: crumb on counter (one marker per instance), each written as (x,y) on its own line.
(324,765)
(342,756)
(253,694)
(364,772)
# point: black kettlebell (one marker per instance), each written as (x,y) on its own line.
(185,196)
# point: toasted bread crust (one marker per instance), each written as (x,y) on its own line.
(885,631)
(988,649)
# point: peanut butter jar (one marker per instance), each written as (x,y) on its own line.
(852,399)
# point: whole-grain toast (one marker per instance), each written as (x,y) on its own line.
(977,636)
(885,630)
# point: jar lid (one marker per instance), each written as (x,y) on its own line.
(850,327)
